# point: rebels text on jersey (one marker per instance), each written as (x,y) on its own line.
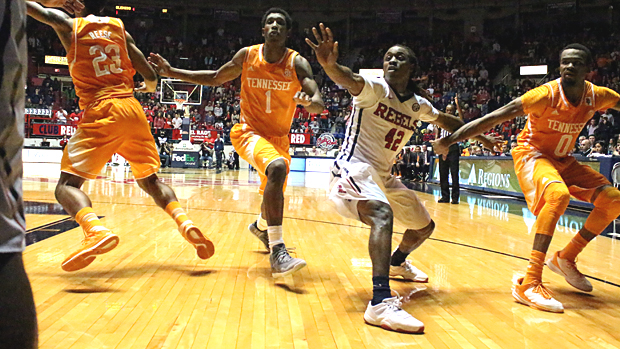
(381,124)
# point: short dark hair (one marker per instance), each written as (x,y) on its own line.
(580,47)
(287,17)
(94,7)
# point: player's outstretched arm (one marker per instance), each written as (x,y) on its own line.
(479,126)
(309,96)
(51,17)
(142,66)
(229,71)
(326,51)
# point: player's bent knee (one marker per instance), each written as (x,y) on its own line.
(609,201)
(557,195)
(277,170)
(375,213)
(428,230)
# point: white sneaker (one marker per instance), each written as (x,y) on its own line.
(389,315)
(568,269)
(408,272)
(536,296)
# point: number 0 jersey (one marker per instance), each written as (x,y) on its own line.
(267,91)
(99,61)
(381,124)
(553,123)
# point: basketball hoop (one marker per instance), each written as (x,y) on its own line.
(180,98)
(179,102)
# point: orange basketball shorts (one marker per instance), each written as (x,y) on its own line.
(536,171)
(260,151)
(115,125)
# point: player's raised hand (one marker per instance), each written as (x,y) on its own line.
(490,141)
(326,49)
(71,6)
(302,98)
(160,64)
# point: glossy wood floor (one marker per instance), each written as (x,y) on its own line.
(153,292)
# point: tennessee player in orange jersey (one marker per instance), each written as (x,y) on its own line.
(274,79)
(102,57)
(549,175)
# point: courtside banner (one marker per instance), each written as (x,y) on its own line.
(300,138)
(491,172)
(52,130)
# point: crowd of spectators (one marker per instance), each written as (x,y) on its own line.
(480,71)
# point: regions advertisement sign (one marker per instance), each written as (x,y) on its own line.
(491,173)
(185,159)
(52,130)
(300,138)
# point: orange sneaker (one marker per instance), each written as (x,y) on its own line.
(92,245)
(204,247)
(537,296)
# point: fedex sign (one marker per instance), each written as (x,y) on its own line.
(300,138)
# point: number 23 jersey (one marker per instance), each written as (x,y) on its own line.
(381,124)
(98,60)
(553,123)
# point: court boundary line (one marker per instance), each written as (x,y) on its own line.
(361,227)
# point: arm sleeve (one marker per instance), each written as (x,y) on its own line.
(428,113)
(606,98)
(374,89)
(535,101)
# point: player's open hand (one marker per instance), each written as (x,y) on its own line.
(160,64)
(302,98)
(489,142)
(441,147)
(71,6)
(326,49)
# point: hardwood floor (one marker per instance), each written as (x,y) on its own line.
(153,292)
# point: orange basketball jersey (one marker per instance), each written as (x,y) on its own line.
(553,123)
(98,60)
(267,91)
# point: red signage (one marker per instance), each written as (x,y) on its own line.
(53,130)
(300,138)
(196,135)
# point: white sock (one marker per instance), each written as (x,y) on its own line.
(275,236)
(261,223)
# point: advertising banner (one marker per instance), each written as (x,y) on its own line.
(300,138)
(496,173)
(52,130)
(185,159)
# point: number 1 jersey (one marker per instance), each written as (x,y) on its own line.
(381,124)
(98,60)
(267,91)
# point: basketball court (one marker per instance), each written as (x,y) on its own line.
(152,291)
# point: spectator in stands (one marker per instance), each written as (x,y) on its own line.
(417,163)
(604,130)
(592,126)
(44,142)
(63,142)
(218,146)
(159,121)
(165,154)
(599,149)
(616,151)
(218,111)
(177,122)
(206,155)
(61,116)
(426,155)
(585,147)
(476,151)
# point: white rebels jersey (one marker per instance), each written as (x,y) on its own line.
(381,124)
